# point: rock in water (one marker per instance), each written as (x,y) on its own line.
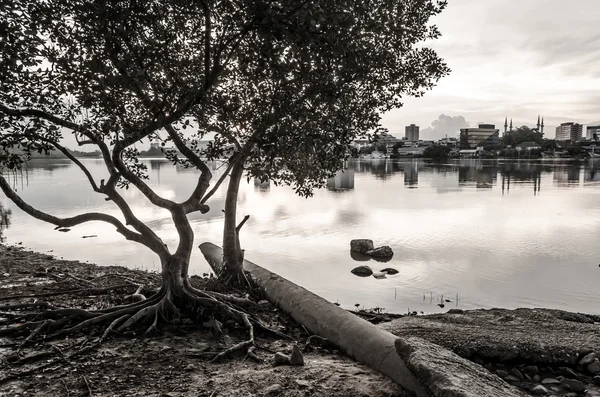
(389,270)
(361,245)
(282,359)
(379,275)
(296,358)
(381,252)
(362,271)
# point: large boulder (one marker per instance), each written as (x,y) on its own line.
(362,271)
(361,245)
(445,374)
(381,252)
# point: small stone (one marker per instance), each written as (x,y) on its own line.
(537,378)
(379,275)
(296,358)
(517,373)
(190,367)
(455,311)
(303,384)
(531,369)
(597,380)
(501,373)
(362,271)
(550,381)
(381,252)
(512,378)
(588,359)
(361,245)
(389,270)
(282,359)
(539,390)
(264,303)
(274,389)
(568,373)
(6,274)
(594,367)
(573,385)
(527,377)
(166,348)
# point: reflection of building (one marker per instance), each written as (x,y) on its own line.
(486,136)
(472,173)
(411,132)
(592,174)
(567,176)
(411,174)
(343,179)
(522,174)
(569,132)
(591,130)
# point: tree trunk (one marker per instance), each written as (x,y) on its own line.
(232,270)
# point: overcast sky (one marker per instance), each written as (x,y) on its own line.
(515,58)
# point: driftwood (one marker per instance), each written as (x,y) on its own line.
(357,337)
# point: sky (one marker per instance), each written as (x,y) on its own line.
(511,58)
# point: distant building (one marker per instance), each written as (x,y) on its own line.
(528,145)
(451,142)
(386,139)
(411,132)
(486,135)
(591,130)
(154,145)
(569,132)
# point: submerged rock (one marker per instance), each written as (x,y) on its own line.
(389,270)
(379,275)
(362,271)
(381,252)
(361,245)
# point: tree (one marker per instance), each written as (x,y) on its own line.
(283,88)
(520,135)
(437,152)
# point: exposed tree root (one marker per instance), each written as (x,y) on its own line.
(167,306)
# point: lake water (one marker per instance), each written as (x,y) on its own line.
(493,233)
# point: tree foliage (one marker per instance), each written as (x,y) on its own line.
(520,135)
(437,152)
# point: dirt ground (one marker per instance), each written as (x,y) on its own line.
(173,363)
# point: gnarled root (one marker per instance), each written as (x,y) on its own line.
(165,307)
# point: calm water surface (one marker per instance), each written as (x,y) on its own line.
(495,233)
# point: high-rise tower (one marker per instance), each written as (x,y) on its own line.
(505,124)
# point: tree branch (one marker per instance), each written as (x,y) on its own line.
(239,226)
(28,112)
(72,221)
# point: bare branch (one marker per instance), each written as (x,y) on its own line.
(72,221)
(28,112)
(239,226)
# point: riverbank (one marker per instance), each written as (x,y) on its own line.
(172,363)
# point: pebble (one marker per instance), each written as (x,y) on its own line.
(501,373)
(517,373)
(512,378)
(573,385)
(536,378)
(568,372)
(274,389)
(296,358)
(550,381)
(531,369)
(281,358)
(587,359)
(190,367)
(594,367)
(539,390)
(303,384)
(597,380)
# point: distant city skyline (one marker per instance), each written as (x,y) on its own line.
(512,58)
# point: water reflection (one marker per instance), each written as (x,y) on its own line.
(591,175)
(523,173)
(567,176)
(262,186)
(343,180)
(474,173)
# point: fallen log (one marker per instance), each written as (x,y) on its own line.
(357,337)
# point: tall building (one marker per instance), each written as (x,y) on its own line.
(411,132)
(486,135)
(591,130)
(569,132)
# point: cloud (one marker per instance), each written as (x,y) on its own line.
(444,125)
